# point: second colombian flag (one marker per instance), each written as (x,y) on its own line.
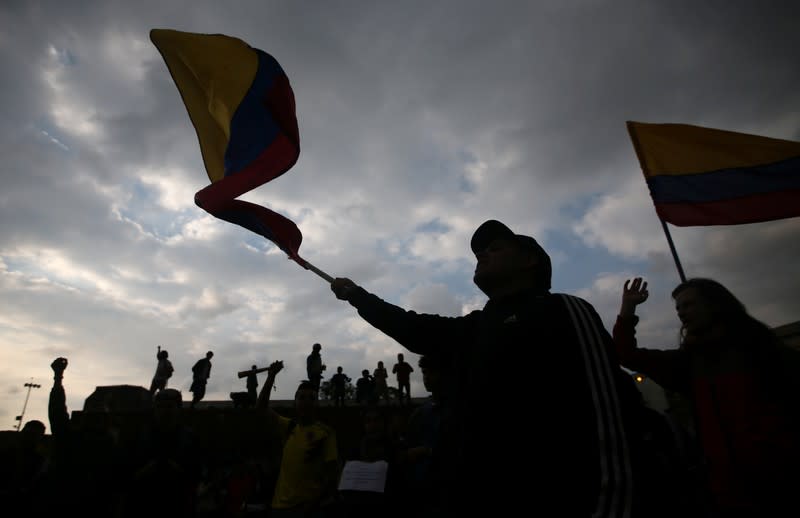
(705,176)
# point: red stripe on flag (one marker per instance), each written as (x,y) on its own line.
(736,211)
(271,163)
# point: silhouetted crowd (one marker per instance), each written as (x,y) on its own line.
(533,411)
(175,460)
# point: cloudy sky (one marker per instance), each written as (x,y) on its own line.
(418,121)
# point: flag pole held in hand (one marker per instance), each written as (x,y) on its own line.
(308,266)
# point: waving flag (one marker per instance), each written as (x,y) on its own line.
(242,107)
(705,176)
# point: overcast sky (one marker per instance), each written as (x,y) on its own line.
(418,121)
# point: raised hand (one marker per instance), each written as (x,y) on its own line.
(343,288)
(633,293)
(263,398)
(275,367)
(59,365)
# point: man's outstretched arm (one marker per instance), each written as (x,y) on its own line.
(419,333)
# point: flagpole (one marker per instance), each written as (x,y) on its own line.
(672,249)
(309,266)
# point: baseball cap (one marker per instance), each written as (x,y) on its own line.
(492,229)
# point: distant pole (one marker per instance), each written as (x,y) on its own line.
(672,249)
(19,417)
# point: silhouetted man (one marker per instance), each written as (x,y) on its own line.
(163,372)
(201,371)
(402,369)
(314,367)
(339,382)
(252,384)
(529,351)
(365,388)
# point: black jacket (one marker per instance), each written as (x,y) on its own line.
(537,400)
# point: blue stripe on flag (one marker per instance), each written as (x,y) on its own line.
(252,128)
(726,184)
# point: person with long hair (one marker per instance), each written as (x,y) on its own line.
(742,382)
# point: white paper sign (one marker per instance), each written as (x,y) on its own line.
(364,476)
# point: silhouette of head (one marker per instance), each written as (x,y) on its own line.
(431,367)
(339,370)
(400,357)
(33,432)
(209,355)
(305,399)
(508,259)
(317,347)
(703,303)
(365,373)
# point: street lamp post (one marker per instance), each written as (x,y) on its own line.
(19,417)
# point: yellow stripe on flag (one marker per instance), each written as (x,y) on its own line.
(213,72)
(682,149)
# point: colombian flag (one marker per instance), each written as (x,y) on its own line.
(705,176)
(242,107)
